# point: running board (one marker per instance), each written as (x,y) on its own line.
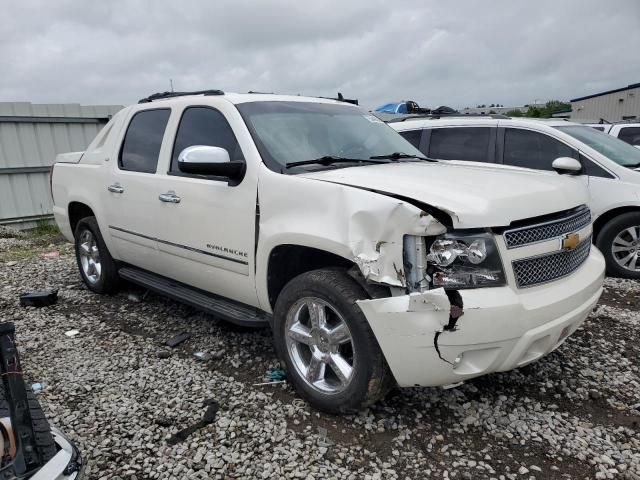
(215,305)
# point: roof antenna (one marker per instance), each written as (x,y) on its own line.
(171,84)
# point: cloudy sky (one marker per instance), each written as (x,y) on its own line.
(458,53)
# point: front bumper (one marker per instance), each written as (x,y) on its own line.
(501,328)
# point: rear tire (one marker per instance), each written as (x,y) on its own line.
(617,234)
(97,268)
(335,364)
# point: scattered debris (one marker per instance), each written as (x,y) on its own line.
(217,355)
(43,298)
(324,440)
(37,387)
(178,339)
(164,354)
(134,297)
(277,374)
(208,417)
(72,333)
(53,254)
(275,382)
(202,356)
(11,263)
(273,377)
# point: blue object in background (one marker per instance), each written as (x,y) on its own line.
(400,107)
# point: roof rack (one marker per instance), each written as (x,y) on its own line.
(162,95)
(437,116)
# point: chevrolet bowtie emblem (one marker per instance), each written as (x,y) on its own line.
(570,241)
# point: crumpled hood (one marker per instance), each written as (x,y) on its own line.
(475,196)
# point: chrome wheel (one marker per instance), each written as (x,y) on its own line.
(320,345)
(626,248)
(89,256)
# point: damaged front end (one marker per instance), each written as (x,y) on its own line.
(460,314)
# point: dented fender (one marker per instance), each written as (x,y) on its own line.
(376,240)
(364,227)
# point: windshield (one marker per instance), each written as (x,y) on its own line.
(287,132)
(620,152)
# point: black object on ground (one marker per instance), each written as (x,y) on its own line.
(208,417)
(43,298)
(178,339)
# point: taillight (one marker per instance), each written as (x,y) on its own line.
(51,182)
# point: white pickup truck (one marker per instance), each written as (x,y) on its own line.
(373,265)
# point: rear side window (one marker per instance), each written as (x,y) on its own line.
(464,143)
(204,126)
(143,139)
(413,137)
(630,135)
(524,148)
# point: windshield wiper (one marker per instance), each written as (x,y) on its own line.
(399,155)
(635,165)
(329,159)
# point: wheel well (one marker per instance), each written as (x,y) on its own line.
(603,219)
(289,261)
(78,211)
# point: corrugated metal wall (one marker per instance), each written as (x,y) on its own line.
(612,107)
(31,136)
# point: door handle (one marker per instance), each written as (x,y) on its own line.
(169,197)
(115,188)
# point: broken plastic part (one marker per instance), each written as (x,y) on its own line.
(178,339)
(43,298)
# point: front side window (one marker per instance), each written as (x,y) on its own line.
(204,126)
(143,140)
(631,135)
(525,148)
(460,143)
(611,147)
(287,132)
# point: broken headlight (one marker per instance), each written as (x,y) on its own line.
(465,261)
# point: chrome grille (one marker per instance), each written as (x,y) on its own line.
(550,266)
(520,237)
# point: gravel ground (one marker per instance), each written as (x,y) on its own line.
(123,396)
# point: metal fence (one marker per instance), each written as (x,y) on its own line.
(31,136)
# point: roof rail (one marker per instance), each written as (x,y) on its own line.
(340,98)
(162,95)
(437,116)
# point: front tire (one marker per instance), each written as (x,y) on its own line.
(331,355)
(97,268)
(619,242)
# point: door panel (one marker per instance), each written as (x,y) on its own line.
(129,190)
(207,240)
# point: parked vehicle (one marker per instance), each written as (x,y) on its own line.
(372,264)
(610,168)
(627,132)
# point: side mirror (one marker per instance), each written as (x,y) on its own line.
(205,160)
(567,165)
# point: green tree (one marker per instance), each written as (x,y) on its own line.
(547,110)
(514,113)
